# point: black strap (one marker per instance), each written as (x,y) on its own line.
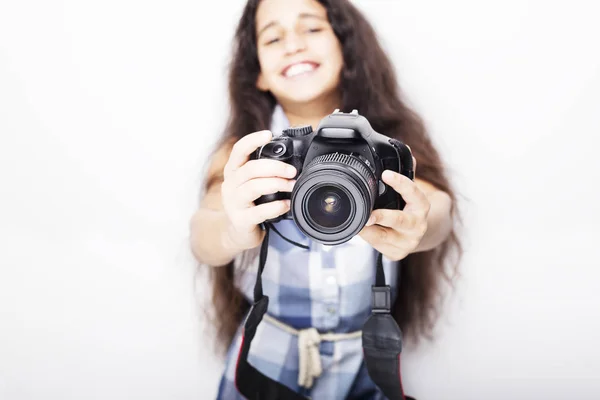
(382,339)
(379,274)
(264,248)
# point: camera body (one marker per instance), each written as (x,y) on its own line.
(338,181)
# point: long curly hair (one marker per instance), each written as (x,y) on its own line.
(367,83)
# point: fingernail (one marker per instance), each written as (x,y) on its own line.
(291,170)
(292,184)
(370,221)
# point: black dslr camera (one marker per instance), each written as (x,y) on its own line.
(339,167)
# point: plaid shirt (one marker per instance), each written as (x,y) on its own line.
(325,287)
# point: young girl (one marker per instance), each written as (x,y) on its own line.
(295,62)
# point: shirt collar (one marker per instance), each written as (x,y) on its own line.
(279,121)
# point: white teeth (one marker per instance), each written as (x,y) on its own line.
(299,69)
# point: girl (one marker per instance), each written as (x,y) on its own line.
(294,62)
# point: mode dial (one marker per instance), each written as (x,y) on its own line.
(297,131)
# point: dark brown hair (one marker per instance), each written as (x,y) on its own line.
(368,84)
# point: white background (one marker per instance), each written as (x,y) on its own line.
(107,110)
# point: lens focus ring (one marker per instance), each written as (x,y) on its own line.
(351,161)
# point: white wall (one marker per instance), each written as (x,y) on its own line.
(106,111)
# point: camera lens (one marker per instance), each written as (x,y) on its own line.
(333,198)
(328,206)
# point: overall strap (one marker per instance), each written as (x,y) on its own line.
(381,338)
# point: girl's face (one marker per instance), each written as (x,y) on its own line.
(299,55)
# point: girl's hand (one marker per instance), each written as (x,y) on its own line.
(244,182)
(397,233)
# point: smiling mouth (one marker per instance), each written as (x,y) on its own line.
(299,69)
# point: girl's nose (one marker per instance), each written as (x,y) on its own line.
(294,43)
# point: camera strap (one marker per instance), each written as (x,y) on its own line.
(381,340)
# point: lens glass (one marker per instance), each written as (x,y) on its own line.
(329,207)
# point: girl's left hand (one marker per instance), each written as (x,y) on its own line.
(397,233)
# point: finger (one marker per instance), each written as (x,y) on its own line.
(384,240)
(242,149)
(254,188)
(408,189)
(259,214)
(263,168)
(395,219)
(382,234)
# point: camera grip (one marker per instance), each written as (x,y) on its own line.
(406,161)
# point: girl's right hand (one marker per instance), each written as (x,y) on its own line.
(245,181)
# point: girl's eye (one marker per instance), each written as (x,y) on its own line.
(314,30)
(274,40)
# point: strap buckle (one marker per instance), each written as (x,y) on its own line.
(381,299)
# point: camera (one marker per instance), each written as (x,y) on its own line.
(338,181)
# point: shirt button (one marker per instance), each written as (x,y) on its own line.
(331,310)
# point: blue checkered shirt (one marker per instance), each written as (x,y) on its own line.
(325,287)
